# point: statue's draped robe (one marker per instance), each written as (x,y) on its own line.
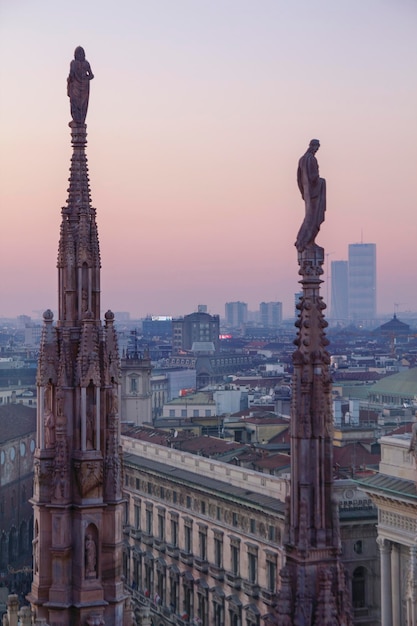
(313,191)
(79,89)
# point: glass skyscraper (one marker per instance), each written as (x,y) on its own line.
(362,281)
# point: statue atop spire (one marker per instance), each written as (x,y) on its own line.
(313,192)
(78,86)
(314,590)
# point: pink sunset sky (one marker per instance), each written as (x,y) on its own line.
(199,112)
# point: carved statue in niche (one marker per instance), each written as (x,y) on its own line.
(36,555)
(49,418)
(303,536)
(49,422)
(114,401)
(90,557)
(90,428)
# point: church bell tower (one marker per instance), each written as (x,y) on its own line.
(77,497)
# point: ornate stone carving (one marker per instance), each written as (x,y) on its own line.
(89,477)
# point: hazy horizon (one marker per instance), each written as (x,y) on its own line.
(198,115)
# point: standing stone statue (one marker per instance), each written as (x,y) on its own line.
(78,85)
(90,557)
(313,192)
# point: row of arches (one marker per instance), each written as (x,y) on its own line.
(16,545)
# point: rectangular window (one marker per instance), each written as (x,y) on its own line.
(218,550)
(161,525)
(235,554)
(188,537)
(188,500)
(171,412)
(174,532)
(271,574)
(149,519)
(183,412)
(202,541)
(137,515)
(203,507)
(195,413)
(252,526)
(207,412)
(252,567)
(234,519)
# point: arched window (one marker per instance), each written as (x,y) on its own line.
(359,588)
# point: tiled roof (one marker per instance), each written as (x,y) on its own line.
(389,485)
(354,454)
(404,383)
(16,420)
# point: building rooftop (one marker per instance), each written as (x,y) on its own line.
(202,397)
(390,485)
(16,420)
(401,384)
(206,484)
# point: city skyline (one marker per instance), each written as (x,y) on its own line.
(198,116)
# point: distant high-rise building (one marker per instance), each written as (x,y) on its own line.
(202,308)
(195,328)
(236,313)
(362,281)
(270,314)
(297,298)
(339,286)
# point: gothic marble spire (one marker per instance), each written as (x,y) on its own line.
(314,590)
(77,487)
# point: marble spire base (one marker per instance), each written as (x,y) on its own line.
(313,584)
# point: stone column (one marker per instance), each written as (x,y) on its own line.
(412,587)
(386,588)
(395,583)
(12,609)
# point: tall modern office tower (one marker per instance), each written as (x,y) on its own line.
(339,291)
(236,313)
(362,281)
(270,314)
(77,497)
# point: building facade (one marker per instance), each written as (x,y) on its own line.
(17,447)
(236,314)
(270,314)
(203,540)
(339,290)
(362,282)
(393,491)
(136,392)
(195,328)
